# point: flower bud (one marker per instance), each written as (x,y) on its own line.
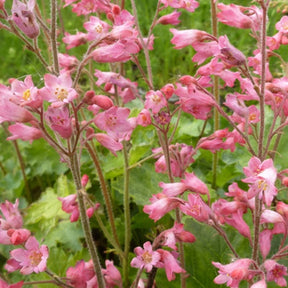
(24,17)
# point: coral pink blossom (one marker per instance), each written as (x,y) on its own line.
(59,120)
(58,89)
(189,5)
(176,234)
(25,93)
(275,272)
(109,142)
(262,177)
(24,132)
(79,275)
(115,122)
(146,258)
(11,223)
(239,16)
(155,101)
(111,275)
(144,118)
(185,38)
(31,259)
(282,25)
(260,284)
(97,29)
(196,208)
(67,62)
(23,16)
(233,273)
(161,205)
(9,111)
(229,54)
(3,284)
(69,205)
(74,40)
(120,51)
(171,18)
(169,263)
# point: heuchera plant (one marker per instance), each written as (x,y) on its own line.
(73,118)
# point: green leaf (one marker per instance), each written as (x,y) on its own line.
(143,183)
(67,234)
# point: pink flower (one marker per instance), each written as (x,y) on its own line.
(282,25)
(119,51)
(115,122)
(233,273)
(275,272)
(86,7)
(229,54)
(194,184)
(169,263)
(259,284)
(11,223)
(97,29)
(262,177)
(196,208)
(171,18)
(74,40)
(25,93)
(239,16)
(109,142)
(155,101)
(146,258)
(58,89)
(185,38)
(161,205)
(3,284)
(111,275)
(67,62)
(59,120)
(144,118)
(189,5)
(194,101)
(31,259)
(176,234)
(69,205)
(24,132)
(23,16)
(265,239)
(14,113)
(81,274)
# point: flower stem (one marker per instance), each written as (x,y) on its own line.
(54,35)
(75,170)
(127,220)
(214,24)
(105,192)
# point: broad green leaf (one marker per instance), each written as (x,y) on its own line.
(143,183)
(67,235)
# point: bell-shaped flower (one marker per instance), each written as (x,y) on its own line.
(31,259)
(59,120)
(115,122)
(169,263)
(23,16)
(70,205)
(161,205)
(146,258)
(275,272)
(58,90)
(196,208)
(155,101)
(25,93)
(172,18)
(233,273)
(24,132)
(3,284)
(79,275)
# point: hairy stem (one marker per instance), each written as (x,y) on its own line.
(105,192)
(215,91)
(75,170)
(127,219)
(54,35)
